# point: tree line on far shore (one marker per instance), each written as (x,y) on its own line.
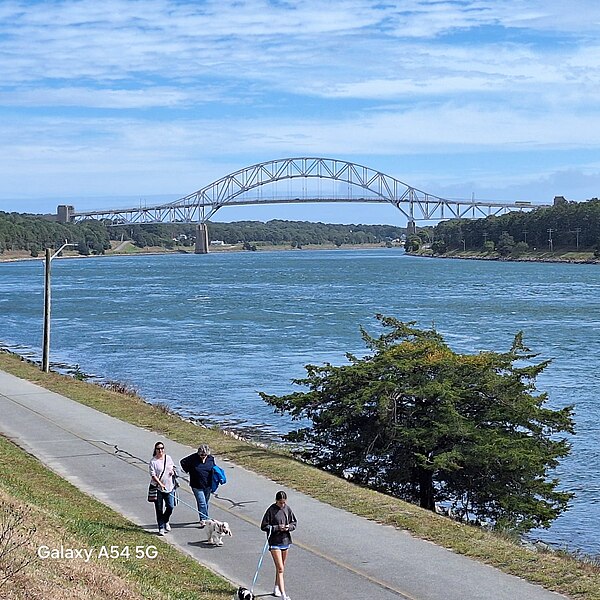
(566,226)
(275,232)
(33,233)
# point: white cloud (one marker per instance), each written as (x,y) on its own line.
(107,98)
(124,94)
(160,53)
(159,150)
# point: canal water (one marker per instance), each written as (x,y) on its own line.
(204,333)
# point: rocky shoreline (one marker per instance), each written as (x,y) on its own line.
(539,258)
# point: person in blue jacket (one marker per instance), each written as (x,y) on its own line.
(200,466)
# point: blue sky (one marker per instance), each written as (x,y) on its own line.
(116,103)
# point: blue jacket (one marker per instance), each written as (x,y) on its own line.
(218,477)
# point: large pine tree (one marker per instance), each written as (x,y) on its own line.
(424,423)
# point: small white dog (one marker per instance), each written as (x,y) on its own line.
(244,594)
(216,530)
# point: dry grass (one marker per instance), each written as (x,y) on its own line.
(63,515)
(556,571)
(58,578)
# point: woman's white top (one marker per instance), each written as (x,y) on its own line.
(156,468)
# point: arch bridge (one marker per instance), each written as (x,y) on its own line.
(244,188)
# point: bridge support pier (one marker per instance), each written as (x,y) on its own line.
(411,228)
(64,212)
(201,239)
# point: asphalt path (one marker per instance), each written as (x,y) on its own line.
(335,556)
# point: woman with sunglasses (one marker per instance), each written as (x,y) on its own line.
(162,474)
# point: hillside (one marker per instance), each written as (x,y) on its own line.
(566,227)
(32,233)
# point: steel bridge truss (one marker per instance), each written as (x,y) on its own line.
(233,190)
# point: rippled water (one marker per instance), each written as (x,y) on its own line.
(205,333)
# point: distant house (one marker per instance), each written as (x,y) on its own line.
(217,243)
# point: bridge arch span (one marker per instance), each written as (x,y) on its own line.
(227,189)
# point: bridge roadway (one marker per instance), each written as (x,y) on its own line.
(335,556)
(244,187)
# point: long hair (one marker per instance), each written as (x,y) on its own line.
(157,444)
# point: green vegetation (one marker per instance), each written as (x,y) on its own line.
(50,512)
(564,227)
(555,571)
(276,232)
(416,420)
(33,233)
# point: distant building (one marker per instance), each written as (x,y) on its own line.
(559,200)
(217,243)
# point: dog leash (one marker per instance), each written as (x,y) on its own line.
(260,560)
(177,498)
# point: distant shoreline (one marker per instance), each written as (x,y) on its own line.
(25,256)
(579,258)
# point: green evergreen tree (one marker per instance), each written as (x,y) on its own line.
(506,244)
(439,247)
(424,423)
(413,243)
(519,249)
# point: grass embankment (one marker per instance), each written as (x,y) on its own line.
(129,249)
(556,571)
(64,516)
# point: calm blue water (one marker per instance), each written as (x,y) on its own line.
(204,333)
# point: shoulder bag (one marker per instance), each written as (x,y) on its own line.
(153,488)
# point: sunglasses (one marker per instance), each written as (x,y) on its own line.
(159,448)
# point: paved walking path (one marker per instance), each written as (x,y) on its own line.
(335,556)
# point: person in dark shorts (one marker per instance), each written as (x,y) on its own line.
(278,521)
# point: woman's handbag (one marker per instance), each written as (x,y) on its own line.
(152,493)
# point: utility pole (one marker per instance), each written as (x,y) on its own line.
(550,243)
(47,305)
(464,245)
(525,235)
(577,232)
(485,237)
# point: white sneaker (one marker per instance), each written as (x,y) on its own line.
(286,598)
(167,527)
(277,592)
(161,531)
